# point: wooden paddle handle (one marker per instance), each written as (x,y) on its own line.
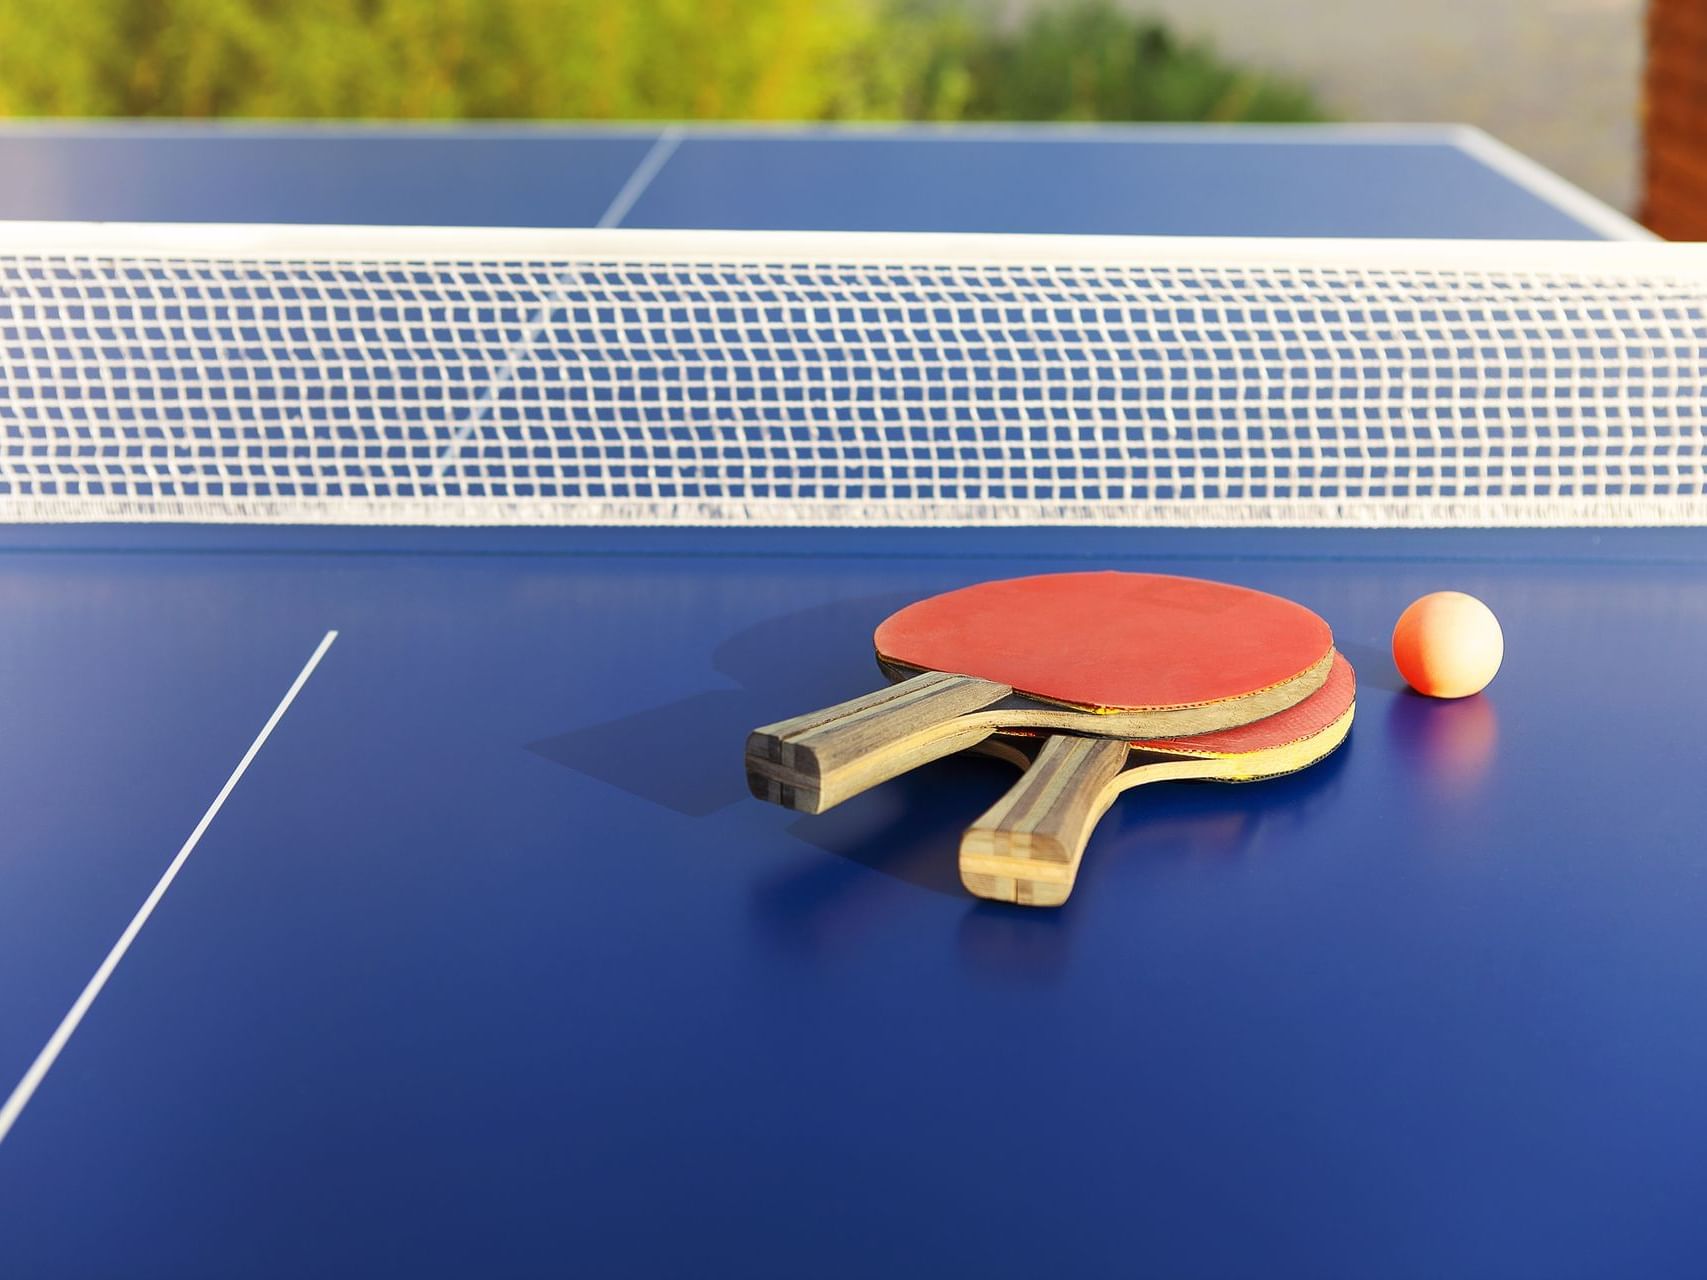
(1027,847)
(815,761)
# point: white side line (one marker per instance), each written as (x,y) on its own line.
(642,177)
(1556,191)
(26,1089)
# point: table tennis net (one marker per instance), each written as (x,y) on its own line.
(472,377)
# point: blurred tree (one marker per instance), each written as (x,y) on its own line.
(1091,61)
(612,59)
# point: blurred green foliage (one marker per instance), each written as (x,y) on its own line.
(616,59)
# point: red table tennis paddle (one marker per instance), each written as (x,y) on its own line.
(1122,655)
(1027,848)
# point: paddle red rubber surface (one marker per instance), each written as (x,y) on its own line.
(1110,640)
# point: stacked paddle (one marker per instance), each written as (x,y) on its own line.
(1093,683)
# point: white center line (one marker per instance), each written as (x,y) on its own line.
(522,351)
(20,1096)
(642,177)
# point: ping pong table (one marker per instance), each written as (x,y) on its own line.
(388,900)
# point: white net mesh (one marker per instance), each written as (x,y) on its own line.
(479,378)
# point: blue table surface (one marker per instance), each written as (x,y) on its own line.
(1132,180)
(488,965)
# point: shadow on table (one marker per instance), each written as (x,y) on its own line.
(910,830)
(1373,664)
(686,755)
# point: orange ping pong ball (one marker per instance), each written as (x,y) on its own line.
(1448,645)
